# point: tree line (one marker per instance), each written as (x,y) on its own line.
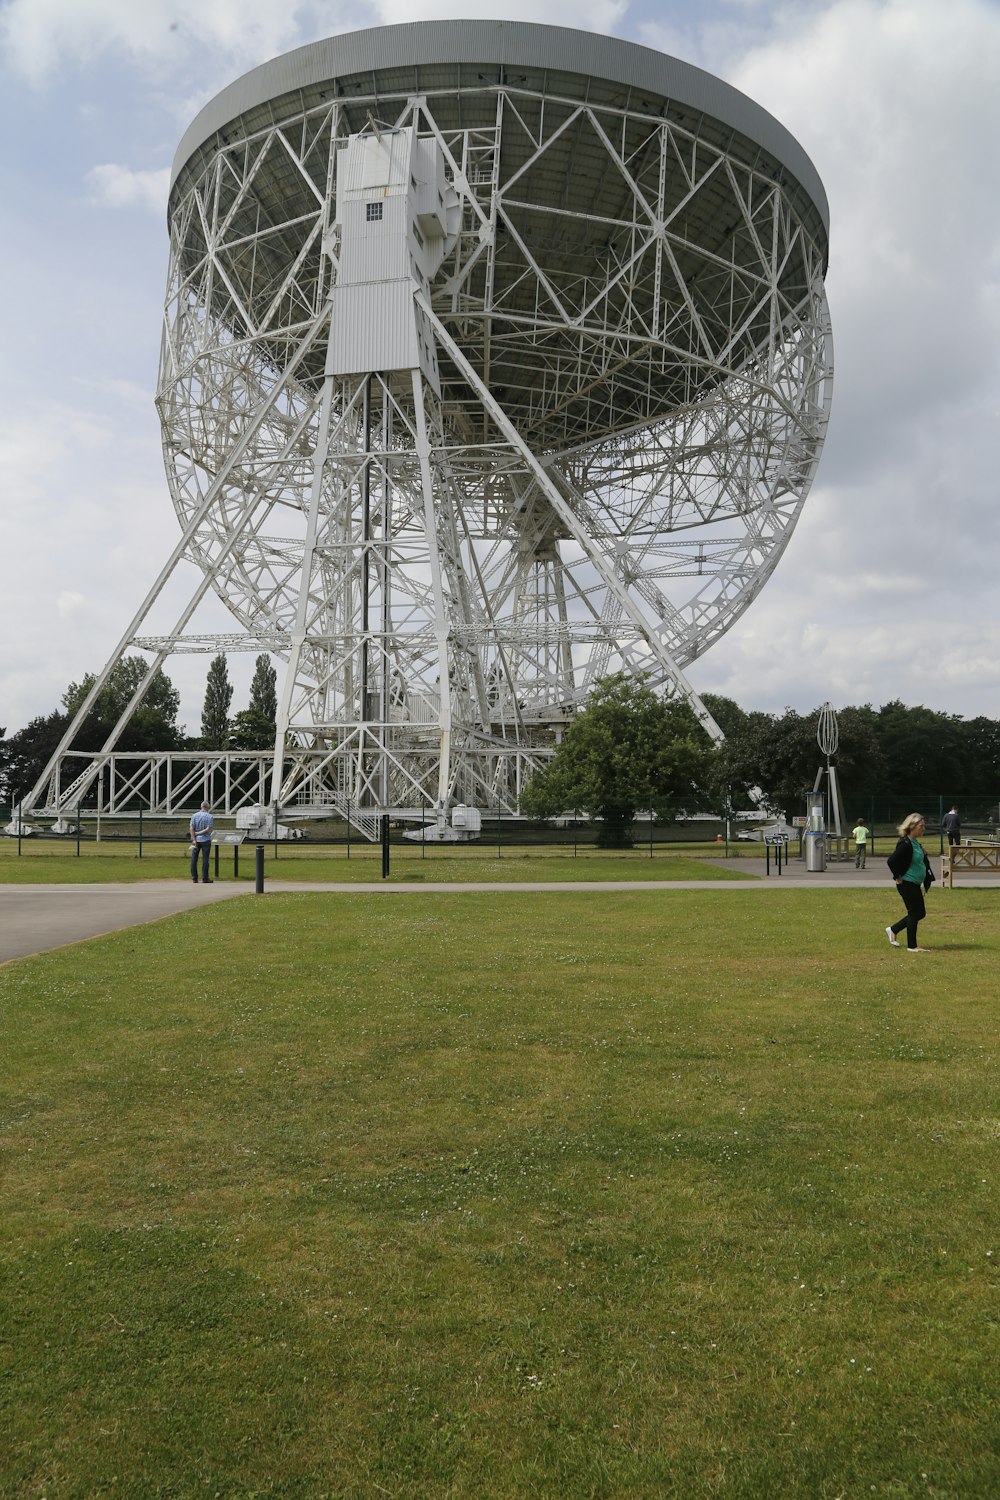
(630,751)
(890,752)
(627,750)
(153,725)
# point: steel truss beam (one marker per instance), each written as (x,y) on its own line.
(628,417)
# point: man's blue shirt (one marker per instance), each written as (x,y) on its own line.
(201,827)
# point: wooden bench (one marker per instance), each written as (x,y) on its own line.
(968,857)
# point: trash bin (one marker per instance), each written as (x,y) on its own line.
(814,840)
(815,850)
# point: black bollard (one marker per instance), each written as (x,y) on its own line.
(260,869)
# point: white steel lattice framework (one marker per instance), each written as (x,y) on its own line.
(558,421)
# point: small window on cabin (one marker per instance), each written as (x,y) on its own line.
(373,211)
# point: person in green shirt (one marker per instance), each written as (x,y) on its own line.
(861,837)
(913,875)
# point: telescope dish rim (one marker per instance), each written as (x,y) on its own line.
(503,44)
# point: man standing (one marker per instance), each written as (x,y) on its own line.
(952,826)
(861,837)
(201,842)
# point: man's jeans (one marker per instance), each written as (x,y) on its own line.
(860,850)
(204,849)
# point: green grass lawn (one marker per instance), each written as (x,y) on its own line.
(47,861)
(652,1194)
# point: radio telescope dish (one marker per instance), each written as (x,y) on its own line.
(496,358)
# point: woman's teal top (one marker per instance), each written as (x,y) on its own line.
(918,865)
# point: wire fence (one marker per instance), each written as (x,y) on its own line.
(573,835)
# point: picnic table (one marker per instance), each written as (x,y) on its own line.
(968,856)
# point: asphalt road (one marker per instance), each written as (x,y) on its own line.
(36,917)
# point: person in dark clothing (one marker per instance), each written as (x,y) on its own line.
(201,843)
(952,825)
(913,875)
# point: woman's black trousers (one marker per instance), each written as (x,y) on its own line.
(913,900)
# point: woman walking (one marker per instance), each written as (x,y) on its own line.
(913,875)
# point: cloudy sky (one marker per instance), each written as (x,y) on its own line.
(889,587)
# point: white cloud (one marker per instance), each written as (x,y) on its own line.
(121,187)
(585,15)
(896,103)
(69,603)
(898,106)
(41,35)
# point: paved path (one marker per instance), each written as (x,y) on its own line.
(36,917)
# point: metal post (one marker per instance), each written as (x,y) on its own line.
(499,850)
(650,833)
(236,861)
(348,828)
(767,858)
(423,830)
(78,830)
(20,808)
(140,830)
(366,526)
(259,852)
(574,833)
(384,674)
(275,830)
(216,871)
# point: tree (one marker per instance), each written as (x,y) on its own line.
(264,690)
(253,728)
(780,756)
(738,763)
(215,713)
(152,725)
(858,758)
(922,751)
(626,750)
(731,719)
(981,769)
(29,751)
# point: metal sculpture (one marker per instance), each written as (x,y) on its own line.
(828,739)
